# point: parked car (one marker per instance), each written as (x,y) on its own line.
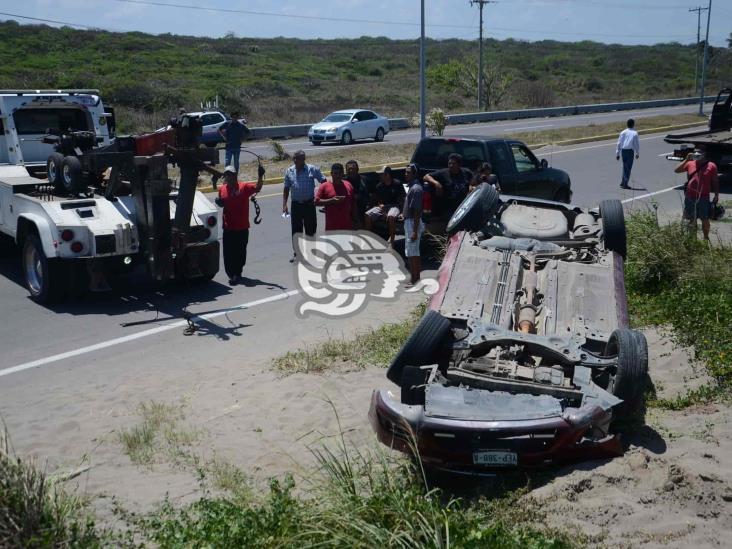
(212,121)
(348,126)
(525,357)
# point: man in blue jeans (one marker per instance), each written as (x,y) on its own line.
(233,133)
(628,145)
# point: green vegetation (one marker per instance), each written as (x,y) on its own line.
(673,279)
(376,347)
(280,80)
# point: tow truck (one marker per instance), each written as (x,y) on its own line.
(717,140)
(106,203)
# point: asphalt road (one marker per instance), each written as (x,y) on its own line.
(501,128)
(74,348)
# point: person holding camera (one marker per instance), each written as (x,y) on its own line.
(234,197)
(702,179)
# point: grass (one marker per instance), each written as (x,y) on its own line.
(371,348)
(36,512)
(159,433)
(675,280)
(378,155)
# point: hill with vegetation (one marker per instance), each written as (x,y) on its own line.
(282,80)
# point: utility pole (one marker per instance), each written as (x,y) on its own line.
(704,60)
(422,99)
(480,3)
(698,11)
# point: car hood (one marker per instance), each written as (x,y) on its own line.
(327,125)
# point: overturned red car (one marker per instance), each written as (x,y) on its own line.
(524,357)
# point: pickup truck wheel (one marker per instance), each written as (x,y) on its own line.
(54,168)
(422,346)
(72,175)
(43,276)
(613,226)
(475,210)
(413,385)
(346,138)
(379,135)
(630,378)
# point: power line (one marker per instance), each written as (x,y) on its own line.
(610,5)
(66,23)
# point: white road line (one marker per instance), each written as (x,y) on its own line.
(642,196)
(139,335)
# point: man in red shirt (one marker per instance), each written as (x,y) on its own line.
(338,198)
(234,198)
(702,178)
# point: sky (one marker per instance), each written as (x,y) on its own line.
(609,21)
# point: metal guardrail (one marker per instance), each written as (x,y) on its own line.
(301,130)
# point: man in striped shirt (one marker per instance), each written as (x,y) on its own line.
(300,181)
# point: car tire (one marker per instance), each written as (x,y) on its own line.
(421,347)
(630,378)
(346,138)
(54,167)
(613,226)
(475,210)
(379,137)
(72,174)
(413,383)
(43,276)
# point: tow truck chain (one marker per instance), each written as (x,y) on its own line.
(257,211)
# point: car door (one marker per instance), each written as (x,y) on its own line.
(372,123)
(360,125)
(504,166)
(531,176)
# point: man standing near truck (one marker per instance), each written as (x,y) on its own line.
(413,226)
(450,184)
(702,179)
(339,199)
(300,181)
(628,145)
(234,198)
(233,133)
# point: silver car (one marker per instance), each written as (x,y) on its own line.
(347,126)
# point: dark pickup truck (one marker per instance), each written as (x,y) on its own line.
(519,172)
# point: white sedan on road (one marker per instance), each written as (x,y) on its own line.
(348,126)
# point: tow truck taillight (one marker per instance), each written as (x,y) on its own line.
(211,221)
(67,235)
(76,247)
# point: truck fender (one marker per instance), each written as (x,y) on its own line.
(42,227)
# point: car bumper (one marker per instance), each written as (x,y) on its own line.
(320,138)
(451,444)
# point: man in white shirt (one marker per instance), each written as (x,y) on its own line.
(628,145)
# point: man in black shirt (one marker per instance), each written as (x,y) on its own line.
(389,197)
(450,184)
(360,188)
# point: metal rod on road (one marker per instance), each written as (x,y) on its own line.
(422,99)
(704,60)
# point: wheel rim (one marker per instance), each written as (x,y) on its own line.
(347,138)
(33,270)
(52,174)
(379,135)
(67,177)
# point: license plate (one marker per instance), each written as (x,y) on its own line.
(496,459)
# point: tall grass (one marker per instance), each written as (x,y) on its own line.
(674,279)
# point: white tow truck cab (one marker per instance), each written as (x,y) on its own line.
(119,208)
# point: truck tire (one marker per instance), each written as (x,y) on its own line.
(631,374)
(346,138)
(379,135)
(413,385)
(43,276)
(72,175)
(613,226)
(422,346)
(475,210)
(54,168)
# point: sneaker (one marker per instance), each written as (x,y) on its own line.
(624,186)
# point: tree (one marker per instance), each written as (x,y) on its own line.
(462,76)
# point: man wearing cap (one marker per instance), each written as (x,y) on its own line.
(702,179)
(389,196)
(300,181)
(234,198)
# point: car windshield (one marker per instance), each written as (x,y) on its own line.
(338,117)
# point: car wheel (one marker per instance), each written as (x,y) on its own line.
(315,143)
(613,226)
(422,346)
(43,276)
(475,210)
(413,383)
(54,168)
(379,135)
(630,378)
(71,174)
(346,138)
